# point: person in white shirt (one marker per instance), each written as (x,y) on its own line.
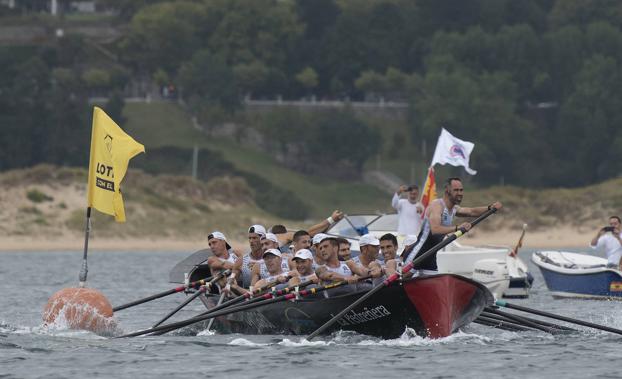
(409,210)
(609,240)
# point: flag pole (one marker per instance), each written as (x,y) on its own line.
(85,270)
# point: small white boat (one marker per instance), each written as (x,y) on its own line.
(505,275)
(572,275)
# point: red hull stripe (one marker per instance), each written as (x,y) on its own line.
(440,301)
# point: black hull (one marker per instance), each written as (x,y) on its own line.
(433,306)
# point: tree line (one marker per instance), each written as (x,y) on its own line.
(536,84)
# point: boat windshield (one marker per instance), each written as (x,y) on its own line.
(353,226)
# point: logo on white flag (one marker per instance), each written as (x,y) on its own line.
(453,151)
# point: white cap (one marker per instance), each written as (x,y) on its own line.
(259,229)
(218,236)
(318,238)
(409,240)
(303,254)
(273,252)
(369,239)
(271,237)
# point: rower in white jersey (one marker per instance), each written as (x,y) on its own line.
(259,271)
(367,264)
(255,255)
(438,223)
(223,258)
(274,272)
(333,269)
(303,259)
(388,247)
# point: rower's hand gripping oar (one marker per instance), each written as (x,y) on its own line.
(452,237)
(162,294)
(201,290)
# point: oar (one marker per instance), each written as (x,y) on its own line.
(522,321)
(257,297)
(201,290)
(162,294)
(544,323)
(504,304)
(268,298)
(452,237)
(500,324)
(519,244)
(209,325)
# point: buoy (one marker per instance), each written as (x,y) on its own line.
(80,308)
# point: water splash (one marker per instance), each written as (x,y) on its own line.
(78,317)
(247,343)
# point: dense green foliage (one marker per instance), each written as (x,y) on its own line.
(536,84)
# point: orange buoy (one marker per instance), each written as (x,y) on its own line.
(80,308)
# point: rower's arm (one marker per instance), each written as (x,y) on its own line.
(434,215)
(216,264)
(477,211)
(255,274)
(390,267)
(356,268)
(328,276)
(325,224)
(375,270)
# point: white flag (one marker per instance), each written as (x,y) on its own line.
(453,151)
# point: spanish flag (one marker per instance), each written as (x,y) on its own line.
(111,151)
(429,190)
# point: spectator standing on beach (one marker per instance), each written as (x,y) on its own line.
(409,210)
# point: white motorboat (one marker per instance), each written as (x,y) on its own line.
(505,275)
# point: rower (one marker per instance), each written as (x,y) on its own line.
(315,248)
(367,264)
(223,258)
(254,256)
(270,241)
(388,246)
(344,249)
(438,223)
(303,259)
(272,271)
(333,270)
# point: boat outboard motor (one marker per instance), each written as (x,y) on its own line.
(494,274)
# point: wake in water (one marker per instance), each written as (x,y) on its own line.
(345,338)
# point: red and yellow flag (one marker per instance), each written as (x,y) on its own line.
(429,190)
(111,151)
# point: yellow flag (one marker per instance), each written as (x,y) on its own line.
(111,151)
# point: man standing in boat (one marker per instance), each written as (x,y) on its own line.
(409,210)
(608,239)
(438,223)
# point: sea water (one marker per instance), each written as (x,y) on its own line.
(30,350)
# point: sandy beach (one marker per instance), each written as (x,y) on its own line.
(562,237)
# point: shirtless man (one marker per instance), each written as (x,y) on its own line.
(333,270)
(366,264)
(273,270)
(438,223)
(254,256)
(303,259)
